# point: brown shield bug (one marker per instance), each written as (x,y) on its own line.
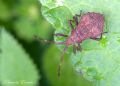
(90,25)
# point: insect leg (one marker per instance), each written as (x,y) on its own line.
(76,17)
(98,39)
(47,41)
(59,34)
(104,32)
(70,23)
(79,48)
(61,61)
(74,49)
(79,14)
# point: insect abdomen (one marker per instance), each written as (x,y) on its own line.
(91,25)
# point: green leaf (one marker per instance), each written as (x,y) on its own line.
(100,65)
(30,22)
(4,12)
(99,60)
(16,67)
(27,29)
(68,77)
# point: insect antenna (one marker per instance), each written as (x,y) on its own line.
(47,41)
(62,56)
(61,61)
(59,34)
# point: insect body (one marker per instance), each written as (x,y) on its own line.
(90,25)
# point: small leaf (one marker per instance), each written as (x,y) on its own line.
(16,67)
(32,28)
(29,21)
(5,13)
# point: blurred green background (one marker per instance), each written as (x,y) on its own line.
(25,61)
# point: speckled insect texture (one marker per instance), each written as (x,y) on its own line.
(89,25)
